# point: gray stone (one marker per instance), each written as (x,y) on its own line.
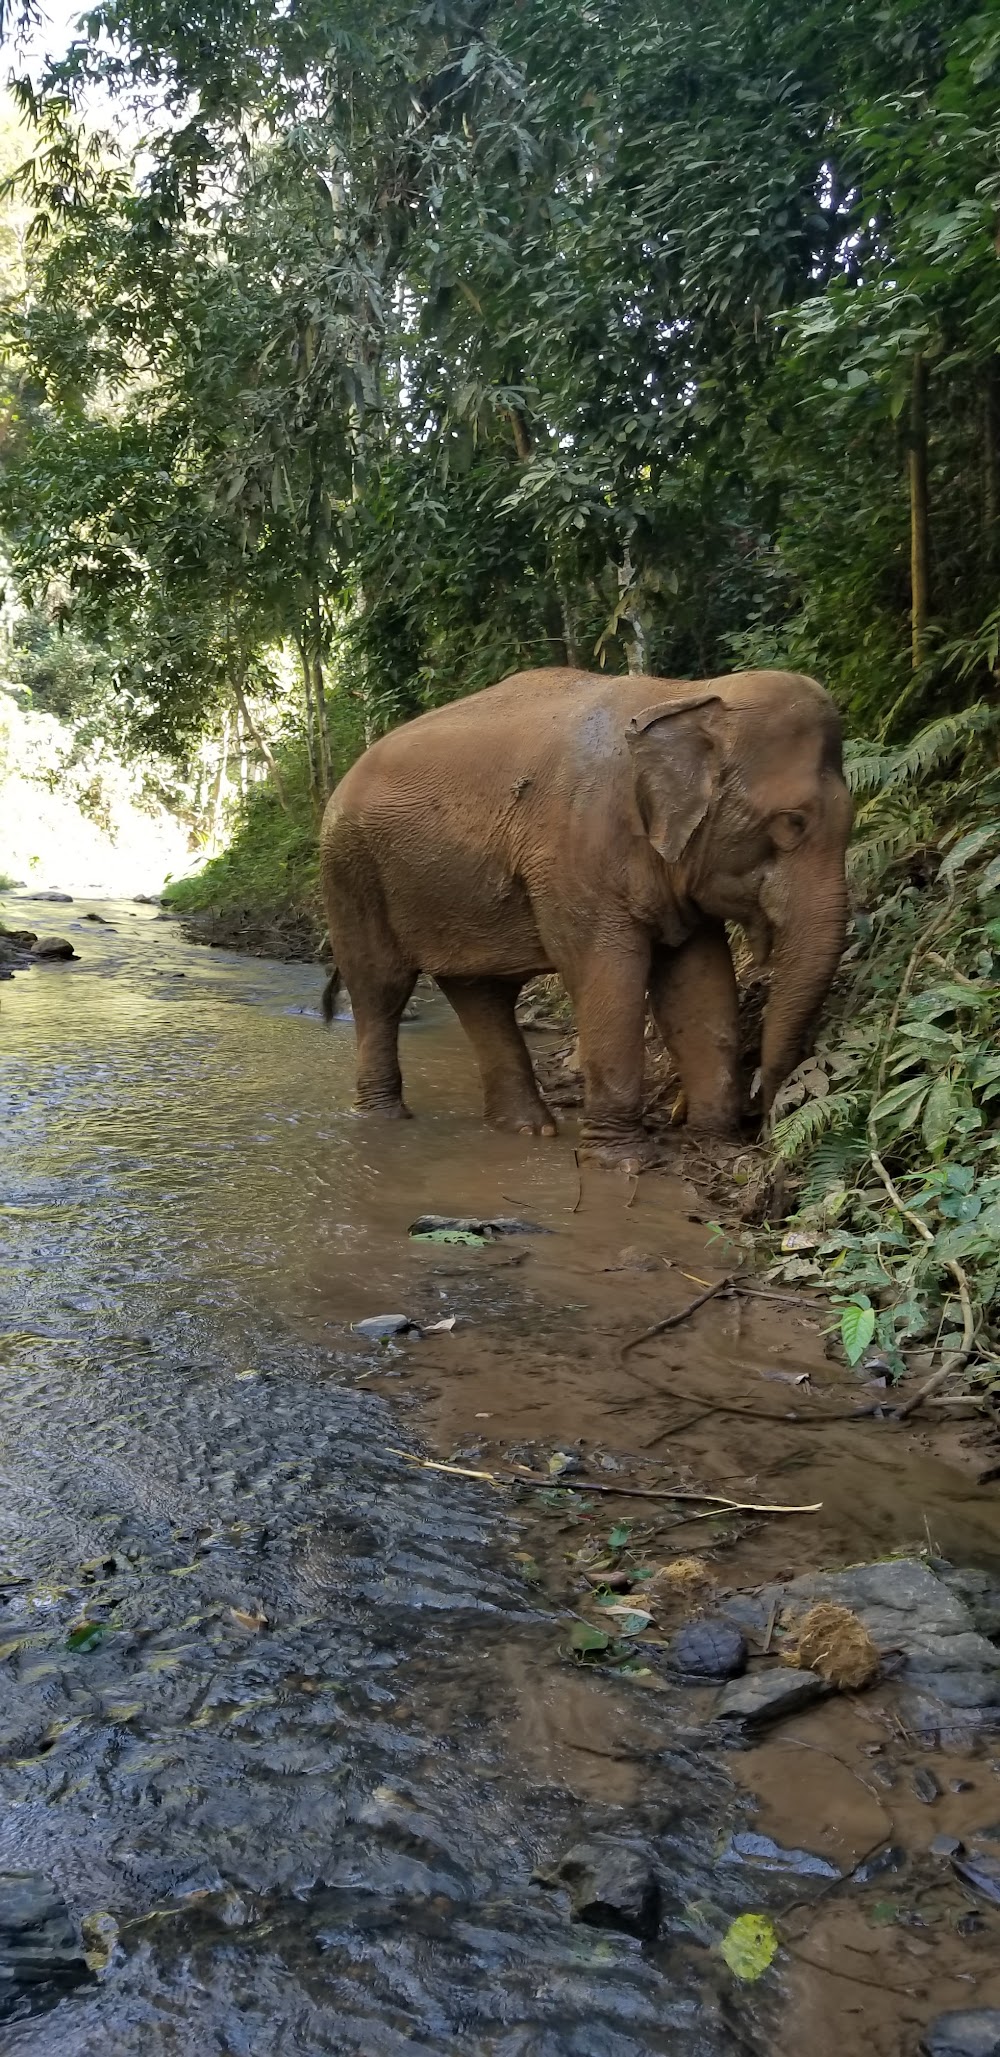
(975,2033)
(378,1326)
(767,1695)
(611,1884)
(945,1846)
(950,1671)
(708,1650)
(41,1950)
(52,948)
(54,899)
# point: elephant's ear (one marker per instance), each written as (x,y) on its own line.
(676,754)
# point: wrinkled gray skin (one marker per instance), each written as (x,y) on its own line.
(605,829)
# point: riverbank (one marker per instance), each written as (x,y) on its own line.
(334,1694)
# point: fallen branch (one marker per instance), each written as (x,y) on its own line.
(659,1328)
(593,1485)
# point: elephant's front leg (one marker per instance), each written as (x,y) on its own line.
(608,991)
(695,1004)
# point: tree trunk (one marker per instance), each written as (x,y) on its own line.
(636,644)
(919,556)
(258,737)
(522,435)
(310,721)
(570,625)
(220,788)
(319,691)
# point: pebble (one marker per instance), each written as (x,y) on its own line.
(708,1650)
(767,1695)
(925,1785)
(611,1884)
(946,1846)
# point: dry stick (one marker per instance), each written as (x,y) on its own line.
(961,1356)
(575,1209)
(659,1328)
(564,1485)
(593,1485)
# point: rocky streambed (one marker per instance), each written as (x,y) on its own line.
(448,1686)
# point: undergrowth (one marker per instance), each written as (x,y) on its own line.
(888,1133)
(271,866)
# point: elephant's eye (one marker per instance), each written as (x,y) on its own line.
(787,829)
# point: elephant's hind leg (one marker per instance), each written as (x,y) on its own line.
(378,1005)
(485,1008)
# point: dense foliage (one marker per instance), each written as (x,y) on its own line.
(409,344)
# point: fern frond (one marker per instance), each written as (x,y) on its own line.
(868,858)
(866,768)
(940,740)
(794,1132)
(833,1162)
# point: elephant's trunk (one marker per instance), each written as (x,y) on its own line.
(810,919)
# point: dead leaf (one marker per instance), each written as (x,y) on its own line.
(247,1620)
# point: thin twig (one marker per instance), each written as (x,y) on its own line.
(591,1485)
(659,1328)
(575,1209)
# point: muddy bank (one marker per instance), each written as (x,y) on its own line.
(312,1726)
(286,935)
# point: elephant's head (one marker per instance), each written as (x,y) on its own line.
(740,789)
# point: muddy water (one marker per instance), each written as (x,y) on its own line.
(328,1730)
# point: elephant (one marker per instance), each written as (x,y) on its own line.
(605,828)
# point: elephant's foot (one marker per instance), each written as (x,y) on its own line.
(633,1152)
(522,1117)
(370,1104)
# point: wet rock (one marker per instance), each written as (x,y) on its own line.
(41,1950)
(708,1649)
(884,1863)
(611,1884)
(946,1846)
(54,899)
(764,1854)
(981,1872)
(975,2033)
(925,1785)
(473,1225)
(768,1695)
(52,949)
(378,1326)
(949,1669)
(102,918)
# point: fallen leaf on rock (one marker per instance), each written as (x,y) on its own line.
(248,1620)
(832,1641)
(585,1641)
(85,1636)
(629,1621)
(749,1946)
(443,1328)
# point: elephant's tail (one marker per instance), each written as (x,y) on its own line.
(330,991)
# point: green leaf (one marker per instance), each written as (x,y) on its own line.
(85,1636)
(586,1641)
(619,1535)
(857,1327)
(939,1115)
(967,847)
(908,1095)
(749,1946)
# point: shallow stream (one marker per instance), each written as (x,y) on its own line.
(323,1728)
